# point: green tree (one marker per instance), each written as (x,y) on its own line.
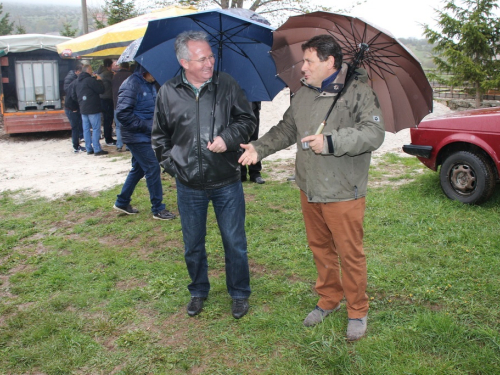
(6,27)
(468,44)
(68,30)
(119,10)
(115,11)
(20,29)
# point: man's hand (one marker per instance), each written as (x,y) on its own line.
(218,146)
(315,142)
(250,155)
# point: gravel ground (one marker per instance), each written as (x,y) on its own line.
(43,164)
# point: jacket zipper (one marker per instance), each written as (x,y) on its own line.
(200,161)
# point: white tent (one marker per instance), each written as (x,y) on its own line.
(29,42)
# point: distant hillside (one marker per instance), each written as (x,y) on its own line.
(42,18)
(421,49)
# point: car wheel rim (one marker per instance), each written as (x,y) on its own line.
(463,179)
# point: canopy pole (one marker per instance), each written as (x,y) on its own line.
(85,22)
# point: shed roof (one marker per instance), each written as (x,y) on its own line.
(29,42)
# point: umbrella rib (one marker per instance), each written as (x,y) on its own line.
(221,37)
(224,36)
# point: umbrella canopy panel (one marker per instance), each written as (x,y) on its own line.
(241,47)
(111,41)
(396,76)
(130,52)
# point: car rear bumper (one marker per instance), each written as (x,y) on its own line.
(421,151)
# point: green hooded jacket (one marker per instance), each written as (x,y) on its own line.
(353,130)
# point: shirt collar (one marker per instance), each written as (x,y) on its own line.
(194,88)
(328,81)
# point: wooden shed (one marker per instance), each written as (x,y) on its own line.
(31,90)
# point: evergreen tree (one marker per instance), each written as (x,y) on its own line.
(20,29)
(68,30)
(119,10)
(6,27)
(468,44)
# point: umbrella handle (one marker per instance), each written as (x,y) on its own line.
(320,128)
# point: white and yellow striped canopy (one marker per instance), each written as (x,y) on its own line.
(111,41)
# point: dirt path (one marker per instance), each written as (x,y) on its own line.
(43,164)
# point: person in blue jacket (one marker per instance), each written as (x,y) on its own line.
(135,109)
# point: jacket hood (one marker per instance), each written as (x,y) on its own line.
(83,75)
(139,71)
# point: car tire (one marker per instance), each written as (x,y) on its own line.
(467,177)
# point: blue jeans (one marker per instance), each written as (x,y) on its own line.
(93,120)
(144,163)
(75,119)
(118,130)
(229,207)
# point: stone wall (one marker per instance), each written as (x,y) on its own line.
(463,104)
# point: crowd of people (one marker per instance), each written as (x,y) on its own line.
(173,130)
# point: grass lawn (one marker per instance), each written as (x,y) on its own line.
(87,291)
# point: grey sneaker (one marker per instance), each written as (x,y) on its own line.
(164,215)
(318,315)
(356,328)
(129,210)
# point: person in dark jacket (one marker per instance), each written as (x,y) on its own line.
(72,109)
(200,149)
(135,108)
(71,76)
(107,106)
(254,169)
(87,93)
(121,75)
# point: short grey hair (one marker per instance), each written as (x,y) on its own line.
(86,68)
(181,43)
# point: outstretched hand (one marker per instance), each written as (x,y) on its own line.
(250,155)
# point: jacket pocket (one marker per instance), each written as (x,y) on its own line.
(169,167)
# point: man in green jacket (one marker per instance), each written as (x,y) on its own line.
(332,173)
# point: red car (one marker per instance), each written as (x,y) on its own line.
(466,145)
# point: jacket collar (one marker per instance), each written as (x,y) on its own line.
(334,87)
(83,75)
(178,81)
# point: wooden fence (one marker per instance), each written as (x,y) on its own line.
(461,92)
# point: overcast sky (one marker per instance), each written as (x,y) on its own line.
(400,17)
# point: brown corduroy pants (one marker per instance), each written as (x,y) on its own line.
(335,235)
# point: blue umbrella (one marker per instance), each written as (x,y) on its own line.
(241,47)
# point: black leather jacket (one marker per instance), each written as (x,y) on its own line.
(181,131)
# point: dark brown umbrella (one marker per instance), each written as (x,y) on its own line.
(397,77)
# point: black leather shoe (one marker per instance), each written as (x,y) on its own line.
(240,307)
(195,306)
(258,180)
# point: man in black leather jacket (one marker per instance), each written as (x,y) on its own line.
(200,149)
